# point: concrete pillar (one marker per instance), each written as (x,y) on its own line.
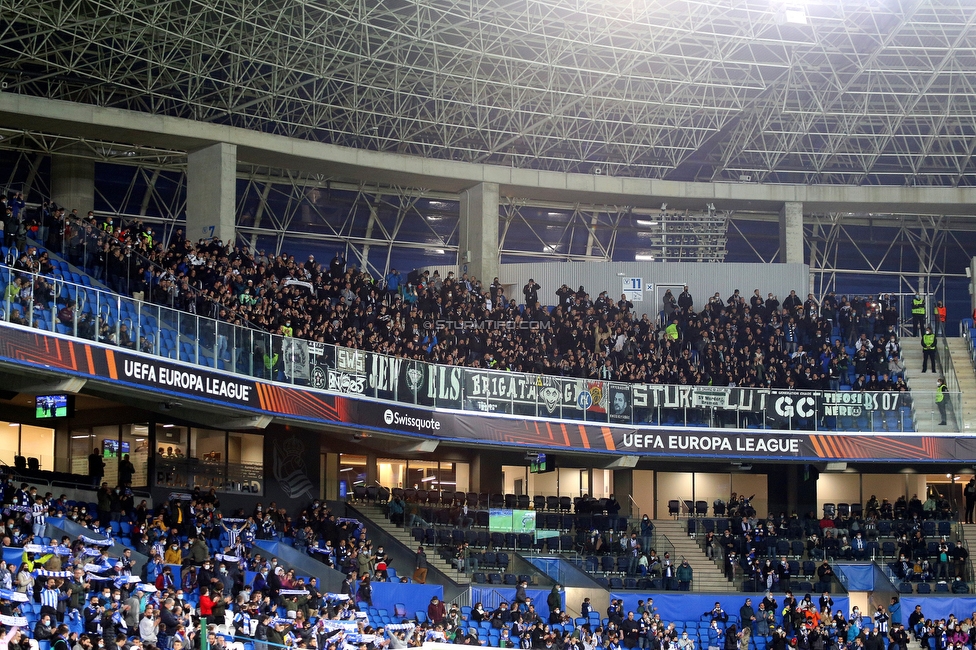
(330,478)
(791,233)
(73,180)
(971,274)
(211,193)
(623,485)
(478,241)
(372,473)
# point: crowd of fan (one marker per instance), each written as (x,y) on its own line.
(738,341)
(794,623)
(75,594)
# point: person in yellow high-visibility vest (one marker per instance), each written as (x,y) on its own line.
(928,349)
(940,399)
(918,314)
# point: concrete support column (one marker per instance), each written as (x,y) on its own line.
(478,241)
(330,478)
(623,485)
(73,180)
(211,193)
(972,285)
(791,233)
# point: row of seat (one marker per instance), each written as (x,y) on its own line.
(884,528)
(925,588)
(483,538)
(507,579)
(721,509)
(484,500)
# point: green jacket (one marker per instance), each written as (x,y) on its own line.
(672,331)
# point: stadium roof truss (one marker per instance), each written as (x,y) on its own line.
(381,226)
(833,91)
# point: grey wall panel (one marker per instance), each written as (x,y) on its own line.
(703,279)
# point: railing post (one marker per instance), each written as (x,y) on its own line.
(118,320)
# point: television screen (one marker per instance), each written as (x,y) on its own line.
(53,406)
(542,464)
(112,448)
(500,520)
(506,520)
(523,521)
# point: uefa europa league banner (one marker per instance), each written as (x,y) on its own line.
(376,392)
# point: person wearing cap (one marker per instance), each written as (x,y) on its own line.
(436,611)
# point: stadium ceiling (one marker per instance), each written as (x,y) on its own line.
(853,92)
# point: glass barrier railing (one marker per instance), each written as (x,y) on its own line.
(53,304)
(188,473)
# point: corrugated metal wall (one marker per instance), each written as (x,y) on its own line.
(703,279)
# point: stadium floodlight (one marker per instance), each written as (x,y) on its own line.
(642,257)
(791,14)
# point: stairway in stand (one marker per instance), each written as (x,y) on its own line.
(708,576)
(963,365)
(969,541)
(376,517)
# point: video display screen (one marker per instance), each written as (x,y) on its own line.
(53,406)
(507,520)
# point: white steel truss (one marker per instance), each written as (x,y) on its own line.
(377,226)
(841,91)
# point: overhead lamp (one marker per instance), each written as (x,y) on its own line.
(791,14)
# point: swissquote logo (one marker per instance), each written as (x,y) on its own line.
(391,417)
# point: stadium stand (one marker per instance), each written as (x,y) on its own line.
(843,344)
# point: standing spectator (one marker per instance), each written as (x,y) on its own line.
(38,512)
(126,471)
(684,574)
(918,313)
(970,493)
(337,268)
(939,318)
(928,350)
(393,283)
(531,293)
(96,467)
(613,513)
(365,592)
(436,611)
(940,398)
(420,564)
